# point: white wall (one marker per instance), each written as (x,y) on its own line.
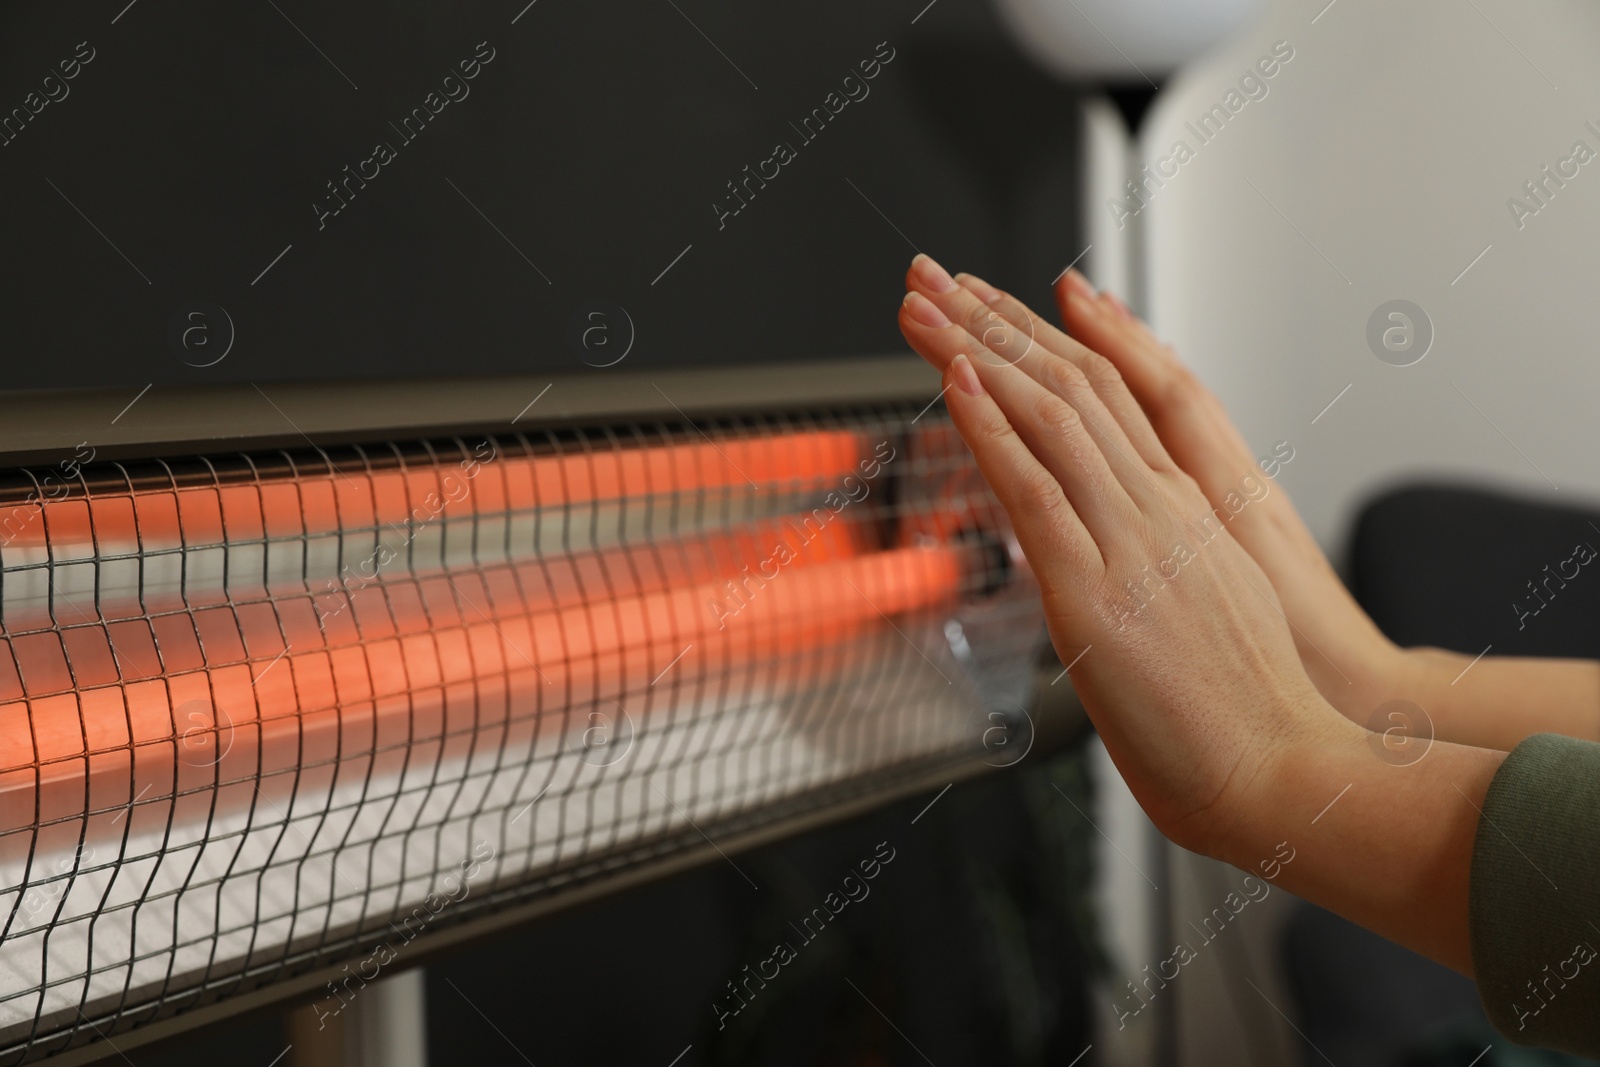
(1391,143)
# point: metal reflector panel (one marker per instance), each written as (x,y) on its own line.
(260,712)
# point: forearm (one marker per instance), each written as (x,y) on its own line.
(1500,700)
(1386,846)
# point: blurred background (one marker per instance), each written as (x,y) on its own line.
(600,155)
(596,165)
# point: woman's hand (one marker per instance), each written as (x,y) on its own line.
(1187,665)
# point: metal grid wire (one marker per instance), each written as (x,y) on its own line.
(259,712)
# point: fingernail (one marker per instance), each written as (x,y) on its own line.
(1080,285)
(932,275)
(1122,309)
(965,377)
(925,311)
(979,288)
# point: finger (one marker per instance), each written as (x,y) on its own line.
(1116,302)
(1050,426)
(1188,419)
(1101,372)
(1051,533)
(1152,370)
(1196,429)
(1116,312)
(959,305)
(1060,377)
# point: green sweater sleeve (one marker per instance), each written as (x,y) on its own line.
(1535,896)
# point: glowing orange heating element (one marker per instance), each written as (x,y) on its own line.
(122,703)
(320,502)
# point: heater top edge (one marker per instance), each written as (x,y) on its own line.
(44,425)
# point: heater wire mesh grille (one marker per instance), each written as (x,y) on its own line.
(263,712)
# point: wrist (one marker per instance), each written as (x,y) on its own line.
(1374,671)
(1425,674)
(1289,790)
(1381,836)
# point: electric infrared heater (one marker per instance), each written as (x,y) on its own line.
(404,542)
(263,699)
